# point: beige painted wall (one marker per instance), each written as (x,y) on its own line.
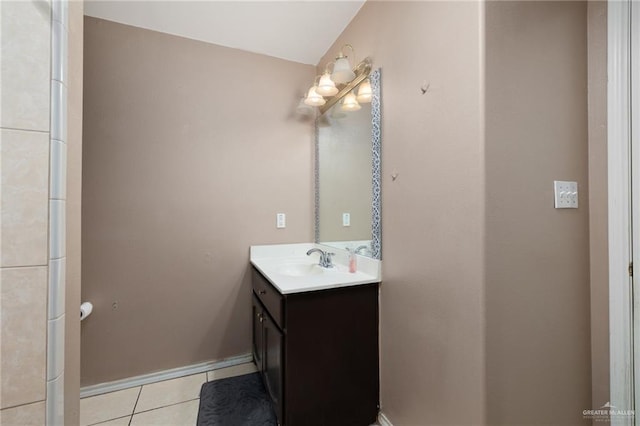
(598,203)
(438,300)
(189,151)
(432,324)
(537,257)
(74,193)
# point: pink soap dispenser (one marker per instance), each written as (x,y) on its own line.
(353,261)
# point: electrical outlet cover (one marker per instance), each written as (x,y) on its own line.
(346,219)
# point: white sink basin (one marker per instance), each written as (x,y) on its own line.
(290,270)
(299,269)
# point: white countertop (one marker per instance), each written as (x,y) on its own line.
(270,259)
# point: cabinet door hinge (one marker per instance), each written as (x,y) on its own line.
(631,269)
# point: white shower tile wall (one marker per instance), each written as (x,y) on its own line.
(33,183)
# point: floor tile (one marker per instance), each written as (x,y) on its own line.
(24,415)
(108,406)
(236,370)
(122,421)
(170,392)
(185,413)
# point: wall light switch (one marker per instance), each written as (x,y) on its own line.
(566,194)
(281,220)
(346,219)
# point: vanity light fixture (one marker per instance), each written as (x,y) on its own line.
(328,91)
(350,103)
(313,98)
(304,111)
(342,72)
(364,92)
(326,86)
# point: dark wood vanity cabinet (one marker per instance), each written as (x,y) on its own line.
(267,353)
(317,352)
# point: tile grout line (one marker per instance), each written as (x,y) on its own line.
(168,405)
(135,405)
(24,266)
(107,421)
(25,130)
(22,405)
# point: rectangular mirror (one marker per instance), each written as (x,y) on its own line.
(348,175)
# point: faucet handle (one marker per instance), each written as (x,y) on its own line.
(328,262)
(361,248)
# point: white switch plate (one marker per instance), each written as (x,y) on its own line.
(566,194)
(281,220)
(346,219)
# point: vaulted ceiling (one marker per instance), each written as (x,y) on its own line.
(299,31)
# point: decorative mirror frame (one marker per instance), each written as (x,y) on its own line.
(376,166)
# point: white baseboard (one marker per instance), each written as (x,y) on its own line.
(159,376)
(383,420)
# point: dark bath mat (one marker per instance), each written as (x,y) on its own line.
(235,401)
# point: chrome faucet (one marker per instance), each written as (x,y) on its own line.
(325,257)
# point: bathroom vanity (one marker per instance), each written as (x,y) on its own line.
(315,340)
(315,329)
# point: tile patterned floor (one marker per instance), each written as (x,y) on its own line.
(171,402)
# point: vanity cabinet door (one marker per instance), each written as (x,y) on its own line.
(272,362)
(258,333)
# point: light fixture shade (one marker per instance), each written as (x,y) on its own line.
(326,87)
(342,72)
(303,110)
(350,103)
(364,92)
(313,98)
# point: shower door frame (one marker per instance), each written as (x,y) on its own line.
(623,93)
